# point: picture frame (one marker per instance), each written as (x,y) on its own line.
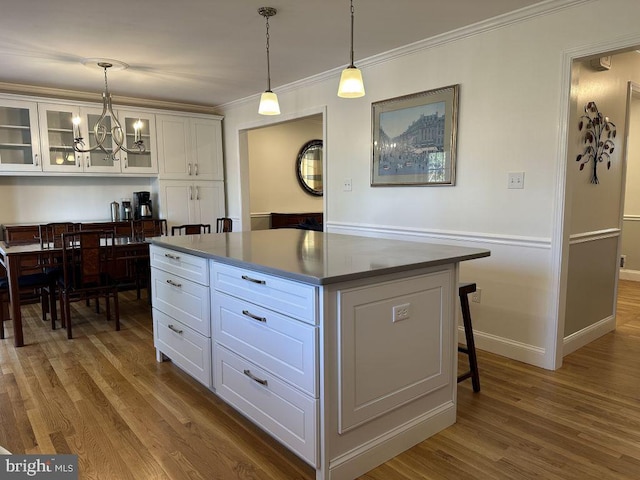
(414,139)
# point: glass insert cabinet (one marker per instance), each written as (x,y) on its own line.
(57,144)
(19,136)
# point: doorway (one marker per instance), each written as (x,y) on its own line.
(594,223)
(257,142)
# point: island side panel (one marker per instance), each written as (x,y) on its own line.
(377,404)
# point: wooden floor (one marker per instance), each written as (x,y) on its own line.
(104,397)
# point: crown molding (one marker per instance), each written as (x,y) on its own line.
(63,94)
(521,15)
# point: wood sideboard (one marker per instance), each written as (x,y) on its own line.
(296,220)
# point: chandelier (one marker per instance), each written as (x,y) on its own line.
(101,127)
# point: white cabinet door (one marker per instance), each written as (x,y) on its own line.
(145,162)
(208,204)
(173,145)
(99,160)
(189,148)
(19,136)
(175,200)
(183,202)
(206,148)
(56,135)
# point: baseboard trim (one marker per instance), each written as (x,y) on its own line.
(579,339)
(505,347)
(379,450)
(633,275)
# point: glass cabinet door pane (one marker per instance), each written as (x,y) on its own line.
(139,160)
(15,136)
(60,134)
(101,157)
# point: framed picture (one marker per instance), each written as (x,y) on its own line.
(414,139)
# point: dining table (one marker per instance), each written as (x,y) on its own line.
(13,256)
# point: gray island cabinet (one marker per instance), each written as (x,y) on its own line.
(341,347)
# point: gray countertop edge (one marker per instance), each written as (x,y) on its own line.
(310,279)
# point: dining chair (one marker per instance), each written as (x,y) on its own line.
(31,287)
(87,259)
(147,227)
(50,235)
(190,229)
(224,224)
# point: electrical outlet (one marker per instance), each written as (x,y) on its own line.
(401,312)
(476,296)
(623,261)
(346,185)
(515,180)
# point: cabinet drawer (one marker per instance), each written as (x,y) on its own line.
(185,347)
(287,414)
(181,264)
(283,346)
(295,299)
(186,301)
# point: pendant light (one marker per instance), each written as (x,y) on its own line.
(351,85)
(268,100)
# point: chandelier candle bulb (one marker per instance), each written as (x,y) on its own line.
(76,127)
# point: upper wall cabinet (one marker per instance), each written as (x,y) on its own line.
(98,159)
(56,125)
(190,147)
(142,127)
(19,138)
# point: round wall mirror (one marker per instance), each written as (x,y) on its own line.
(309,167)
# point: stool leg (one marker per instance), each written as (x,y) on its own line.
(471,345)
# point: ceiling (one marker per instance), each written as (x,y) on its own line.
(211,52)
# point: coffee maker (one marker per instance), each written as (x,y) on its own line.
(127,212)
(142,205)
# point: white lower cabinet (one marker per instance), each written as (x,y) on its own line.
(265,353)
(187,348)
(182,311)
(183,201)
(283,411)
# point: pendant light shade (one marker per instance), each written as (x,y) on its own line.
(351,84)
(268,100)
(269,104)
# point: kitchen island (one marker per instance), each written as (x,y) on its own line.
(341,347)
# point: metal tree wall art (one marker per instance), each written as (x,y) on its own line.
(598,137)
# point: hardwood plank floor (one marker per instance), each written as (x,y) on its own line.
(103,396)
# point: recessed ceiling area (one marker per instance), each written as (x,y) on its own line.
(211,53)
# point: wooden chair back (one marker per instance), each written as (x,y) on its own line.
(190,229)
(51,233)
(146,228)
(224,224)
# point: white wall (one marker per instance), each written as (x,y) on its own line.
(273,152)
(510,121)
(54,198)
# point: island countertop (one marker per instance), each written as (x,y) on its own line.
(317,257)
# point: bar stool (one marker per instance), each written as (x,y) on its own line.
(464,289)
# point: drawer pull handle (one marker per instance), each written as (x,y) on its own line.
(171,327)
(254,378)
(171,282)
(172,257)
(261,282)
(255,317)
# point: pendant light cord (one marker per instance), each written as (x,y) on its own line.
(352,65)
(268,63)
